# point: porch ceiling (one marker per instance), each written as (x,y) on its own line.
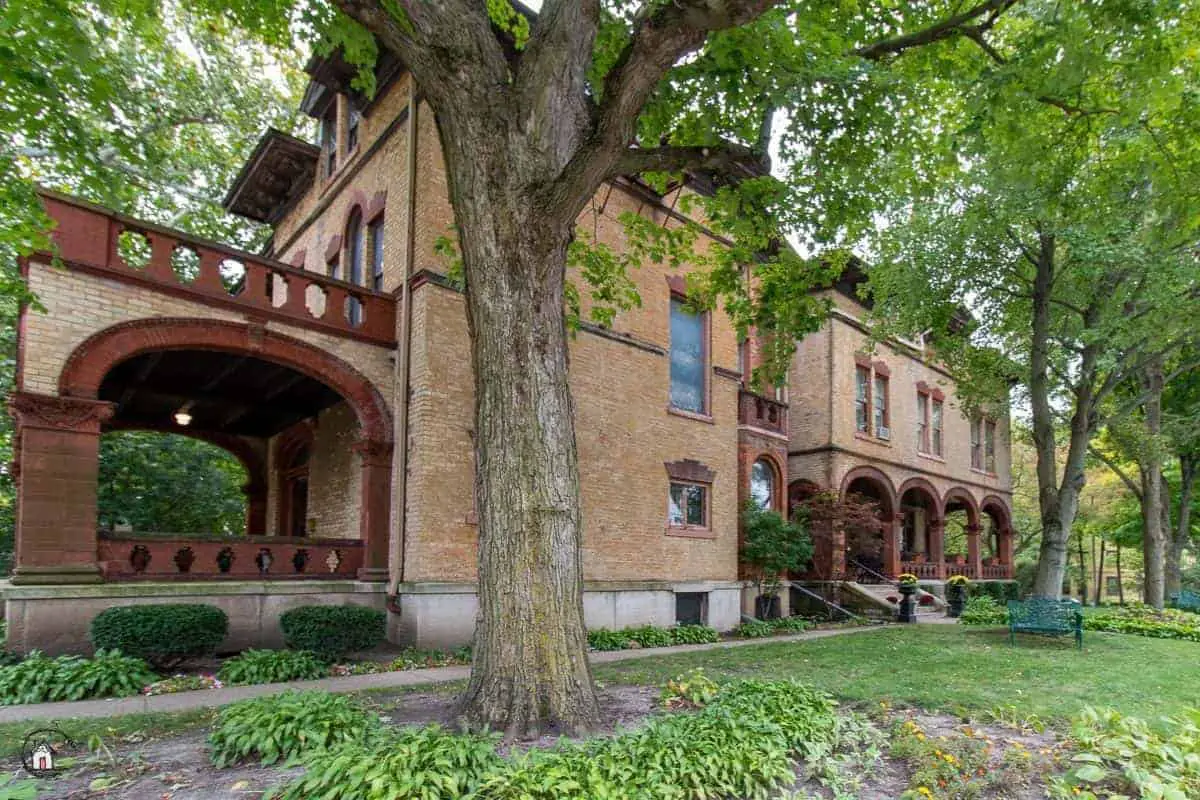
(223,392)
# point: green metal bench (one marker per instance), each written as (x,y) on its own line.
(1187,600)
(1045,615)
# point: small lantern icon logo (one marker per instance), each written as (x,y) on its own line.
(43,758)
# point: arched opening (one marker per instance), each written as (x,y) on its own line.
(921,542)
(996,539)
(164,483)
(294,453)
(237,386)
(869,506)
(962,533)
(764,483)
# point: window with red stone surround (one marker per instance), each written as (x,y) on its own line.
(872,399)
(689,498)
(930,407)
(689,356)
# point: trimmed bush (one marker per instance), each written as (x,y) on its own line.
(164,635)
(41,679)
(282,726)
(333,631)
(272,666)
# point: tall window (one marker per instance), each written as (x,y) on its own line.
(688,359)
(353,120)
(687,506)
(922,422)
(936,425)
(762,483)
(880,400)
(976,444)
(354,263)
(329,139)
(376,235)
(862,398)
(989,446)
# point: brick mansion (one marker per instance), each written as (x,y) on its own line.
(335,365)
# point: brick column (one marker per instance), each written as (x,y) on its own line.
(375,509)
(893,541)
(937,546)
(974,558)
(57,448)
(256,507)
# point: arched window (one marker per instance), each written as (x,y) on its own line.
(762,483)
(354,262)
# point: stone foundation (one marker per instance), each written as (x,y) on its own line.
(442,615)
(56,619)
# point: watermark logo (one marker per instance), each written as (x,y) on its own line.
(43,750)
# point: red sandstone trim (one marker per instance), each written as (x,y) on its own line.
(87,366)
(690,470)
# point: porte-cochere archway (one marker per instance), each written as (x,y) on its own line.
(227,382)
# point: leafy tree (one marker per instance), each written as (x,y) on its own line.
(166,483)
(773,547)
(1065,223)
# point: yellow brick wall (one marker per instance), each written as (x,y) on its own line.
(334,476)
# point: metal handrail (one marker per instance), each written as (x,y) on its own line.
(828,603)
(870,571)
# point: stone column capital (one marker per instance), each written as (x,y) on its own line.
(374,453)
(57,413)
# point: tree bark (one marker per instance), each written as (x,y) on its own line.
(1120,578)
(1181,532)
(1083,573)
(1100,582)
(1153,534)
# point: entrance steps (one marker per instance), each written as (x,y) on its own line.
(886,598)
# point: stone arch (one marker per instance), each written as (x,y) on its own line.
(998,509)
(87,365)
(958,494)
(880,479)
(926,488)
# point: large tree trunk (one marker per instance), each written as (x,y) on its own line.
(1181,532)
(530,672)
(1153,534)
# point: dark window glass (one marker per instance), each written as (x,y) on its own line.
(937,427)
(687,359)
(329,139)
(354,264)
(686,507)
(762,483)
(352,125)
(376,228)
(862,397)
(880,399)
(922,422)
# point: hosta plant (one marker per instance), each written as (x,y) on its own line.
(754,629)
(693,689)
(41,679)
(694,634)
(282,726)
(272,666)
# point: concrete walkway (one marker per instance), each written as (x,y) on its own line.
(211,698)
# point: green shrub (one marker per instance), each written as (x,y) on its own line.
(693,634)
(165,635)
(1000,591)
(789,624)
(691,690)
(650,636)
(1126,757)
(333,631)
(272,666)
(40,679)
(604,639)
(426,763)
(742,744)
(983,611)
(282,726)
(1143,620)
(754,629)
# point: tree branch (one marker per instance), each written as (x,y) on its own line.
(958,25)
(1120,473)
(733,160)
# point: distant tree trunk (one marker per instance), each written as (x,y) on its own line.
(1058,502)
(1100,582)
(1181,531)
(1083,574)
(1120,578)
(1153,534)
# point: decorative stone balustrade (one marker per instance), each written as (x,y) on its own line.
(93,239)
(762,412)
(145,556)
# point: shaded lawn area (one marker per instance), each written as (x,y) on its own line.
(959,669)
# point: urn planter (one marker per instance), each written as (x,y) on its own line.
(908,603)
(956,598)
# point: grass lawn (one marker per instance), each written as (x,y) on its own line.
(949,667)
